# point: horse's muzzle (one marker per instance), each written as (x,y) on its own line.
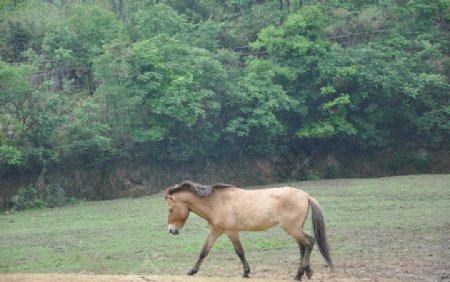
(174,230)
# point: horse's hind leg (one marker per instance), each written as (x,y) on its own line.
(212,237)
(308,249)
(300,271)
(306,244)
(234,238)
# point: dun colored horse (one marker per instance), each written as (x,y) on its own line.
(228,209)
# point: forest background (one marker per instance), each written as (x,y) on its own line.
(111,98)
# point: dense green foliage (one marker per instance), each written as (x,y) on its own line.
(26,198)
(94,82)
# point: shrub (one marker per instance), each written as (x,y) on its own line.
(10,157)
(398,160)
(423,164)
(407,160)
(56,196)
(27,198)
(309,176)
(331,171)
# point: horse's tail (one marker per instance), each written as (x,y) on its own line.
(319,231)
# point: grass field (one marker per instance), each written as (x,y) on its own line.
(397,227)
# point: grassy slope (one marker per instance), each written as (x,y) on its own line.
(399,223)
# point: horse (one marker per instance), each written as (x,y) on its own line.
(229,210)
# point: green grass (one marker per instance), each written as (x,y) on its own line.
(377,220)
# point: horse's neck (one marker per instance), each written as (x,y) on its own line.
(200,206)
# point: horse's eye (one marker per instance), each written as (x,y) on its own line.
(170,210)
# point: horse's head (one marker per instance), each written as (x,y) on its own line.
(178,214)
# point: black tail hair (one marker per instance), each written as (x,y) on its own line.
(319,231)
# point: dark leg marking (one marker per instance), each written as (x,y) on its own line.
(300,271)
(234,238)
(202,256)
(309,271)
(241,255)
(308,249)
(212,237)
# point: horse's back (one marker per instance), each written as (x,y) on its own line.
(281,195)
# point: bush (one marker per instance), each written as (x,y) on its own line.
(27,198)
(398,161)
(406,160)
(331,171)
(56,196)
(10,157)
(309,176)
(423,164)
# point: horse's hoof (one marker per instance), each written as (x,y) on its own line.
(192,272)
(246,275)
(309,273)
(299,275)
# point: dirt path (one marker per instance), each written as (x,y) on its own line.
(135,278)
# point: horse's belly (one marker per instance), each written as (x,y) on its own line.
(254,221)
(261,226)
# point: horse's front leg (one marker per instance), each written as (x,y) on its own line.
(212,237)
(234,238)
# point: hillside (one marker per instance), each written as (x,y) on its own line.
(311,89)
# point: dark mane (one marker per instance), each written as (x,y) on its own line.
(200,190)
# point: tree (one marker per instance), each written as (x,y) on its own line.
(255,106)
(298,48)
(80,39)
(87,141)
(11,157)
(191,80)
(158,19)
(15,38)
(16,99)
(169,89)
(393,84)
